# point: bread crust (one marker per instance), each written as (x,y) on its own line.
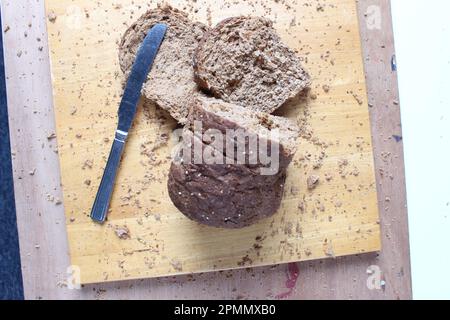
(210,120)
(223,196)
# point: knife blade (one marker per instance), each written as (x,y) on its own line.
(127,111)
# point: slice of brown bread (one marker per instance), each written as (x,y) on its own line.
(171,82)
(221,195)
(243,60)
(214,114)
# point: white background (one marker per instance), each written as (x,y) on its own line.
(422,41)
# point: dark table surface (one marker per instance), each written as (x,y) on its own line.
(10,273)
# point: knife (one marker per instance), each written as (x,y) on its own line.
(127,110)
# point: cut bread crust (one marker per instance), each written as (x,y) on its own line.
(271,131)
(170,83)
(243,60)
(250,174)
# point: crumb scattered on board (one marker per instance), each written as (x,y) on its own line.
(177,265)
(122,232)
(312,181)
(52,17)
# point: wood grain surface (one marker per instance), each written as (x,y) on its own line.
(45,252)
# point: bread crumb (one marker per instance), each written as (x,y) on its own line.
(312,182)
(87,164)
(356,97)
(328,248)
(51,136)
(52,17)
(177,265)
(294,190)
(122,232)
(244,261)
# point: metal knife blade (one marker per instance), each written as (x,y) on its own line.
(141,67)
(127,110)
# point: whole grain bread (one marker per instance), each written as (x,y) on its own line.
(271,131)
(170,83)
(223,195)
(243,60)
(224,192)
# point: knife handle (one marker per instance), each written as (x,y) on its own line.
(103,198)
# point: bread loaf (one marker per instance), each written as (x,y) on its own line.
(230,194)
(224,195)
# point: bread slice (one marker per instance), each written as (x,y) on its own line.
(243,60)
(223,195)
(214,114)
(171,82)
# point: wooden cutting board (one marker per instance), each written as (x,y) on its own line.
(339,217)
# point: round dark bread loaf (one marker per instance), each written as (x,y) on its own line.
(229,194)
(201,198)
(243,60)
(171,82)
(224,195)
